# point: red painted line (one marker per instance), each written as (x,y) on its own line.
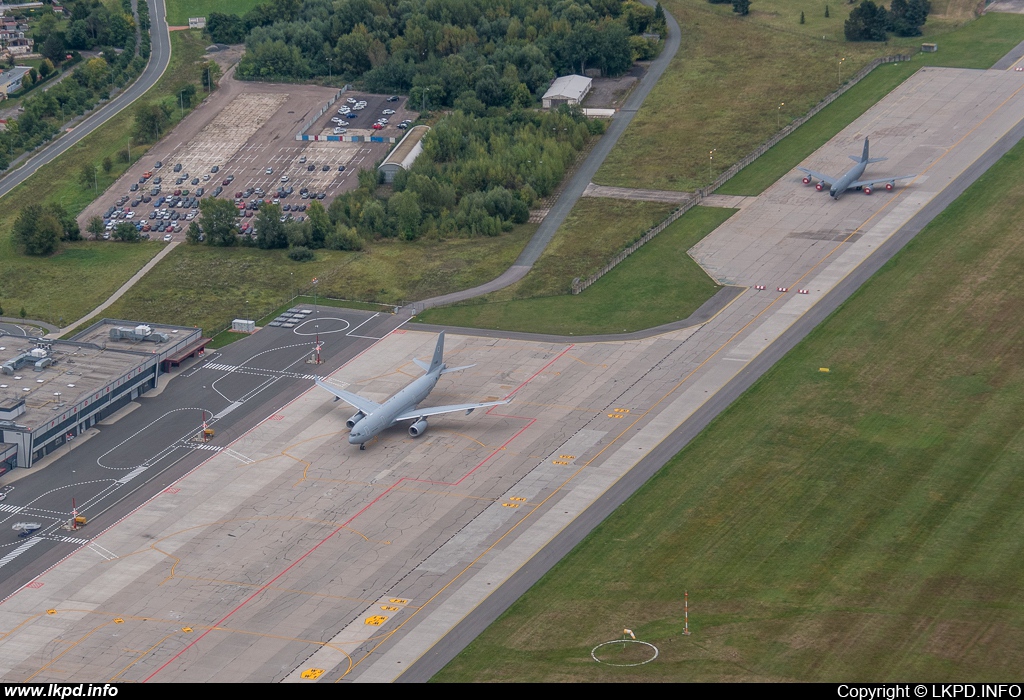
(362,510)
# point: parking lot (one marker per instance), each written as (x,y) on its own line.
(240,144)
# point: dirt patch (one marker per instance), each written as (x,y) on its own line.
(612,92)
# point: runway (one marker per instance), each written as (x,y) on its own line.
(291,556)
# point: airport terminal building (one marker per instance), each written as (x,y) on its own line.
(53,390)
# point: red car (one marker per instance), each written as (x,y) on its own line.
(378,126)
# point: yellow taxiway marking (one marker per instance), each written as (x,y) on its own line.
(311,674)
(376,620)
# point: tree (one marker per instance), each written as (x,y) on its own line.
(95,227)
(270,231)
(45,68)
(906,17)
(54,48)
(193,234)
(127,232)
(108,164)
(37,230)
(867,22)
(67,221)
(802,20)
(150,121)
(87,175)
(320,225)
(218,221)
(344,238)
(826,11)
(741,7)
(22,313)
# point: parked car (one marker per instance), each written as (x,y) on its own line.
(215,169)
(177,168)
(341,168)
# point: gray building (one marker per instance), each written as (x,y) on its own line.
(567,90)
(403,154)
(53,390)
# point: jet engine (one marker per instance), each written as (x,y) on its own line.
(807,180)
(418,428)
(889,186)
(351,422)
(820,186)
(867,190)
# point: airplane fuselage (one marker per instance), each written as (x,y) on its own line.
(384,417)
(843,184)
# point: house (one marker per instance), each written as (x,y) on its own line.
(10,80)
(567,90)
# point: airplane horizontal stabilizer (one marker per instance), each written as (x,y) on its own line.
(425,366)
(448,370)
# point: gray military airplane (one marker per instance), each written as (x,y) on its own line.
(372,418)
(850,180)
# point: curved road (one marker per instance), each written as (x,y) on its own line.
(159,58)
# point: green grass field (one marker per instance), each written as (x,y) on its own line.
(83,274)
(178,11)
(729,102)
(205,286)
(657,284)
(862,524)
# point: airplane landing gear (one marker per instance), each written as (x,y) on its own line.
(362,447)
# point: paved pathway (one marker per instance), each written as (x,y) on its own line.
(576,186)
(118,294)
(635,193)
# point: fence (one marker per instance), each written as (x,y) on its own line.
(579,285)
(301,136)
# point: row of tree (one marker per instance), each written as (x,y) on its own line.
(871,22)
(401,46)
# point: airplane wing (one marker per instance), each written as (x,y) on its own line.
(868,183)
(821,176)
(354,400)
(415,413)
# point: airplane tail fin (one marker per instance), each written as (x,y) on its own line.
(438,359)
(866,158)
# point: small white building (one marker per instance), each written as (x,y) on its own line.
(197,23)
(567,90)
(404,153)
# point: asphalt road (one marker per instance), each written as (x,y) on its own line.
(477,621)
(125,464)
(159,58)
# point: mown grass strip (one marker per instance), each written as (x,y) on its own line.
(658,284)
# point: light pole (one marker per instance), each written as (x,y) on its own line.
(711,157)
(181,104)
(840,72)
(778,120)
(129,150)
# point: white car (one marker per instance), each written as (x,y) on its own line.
(284,178)
(269,171)
(167,238)
(358,107)
(351,100)
(130,215)
(339,130)
(302,159)
(206,178)
(388,112)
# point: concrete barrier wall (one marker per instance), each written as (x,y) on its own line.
(579,285)
(301,136)
(351,139)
